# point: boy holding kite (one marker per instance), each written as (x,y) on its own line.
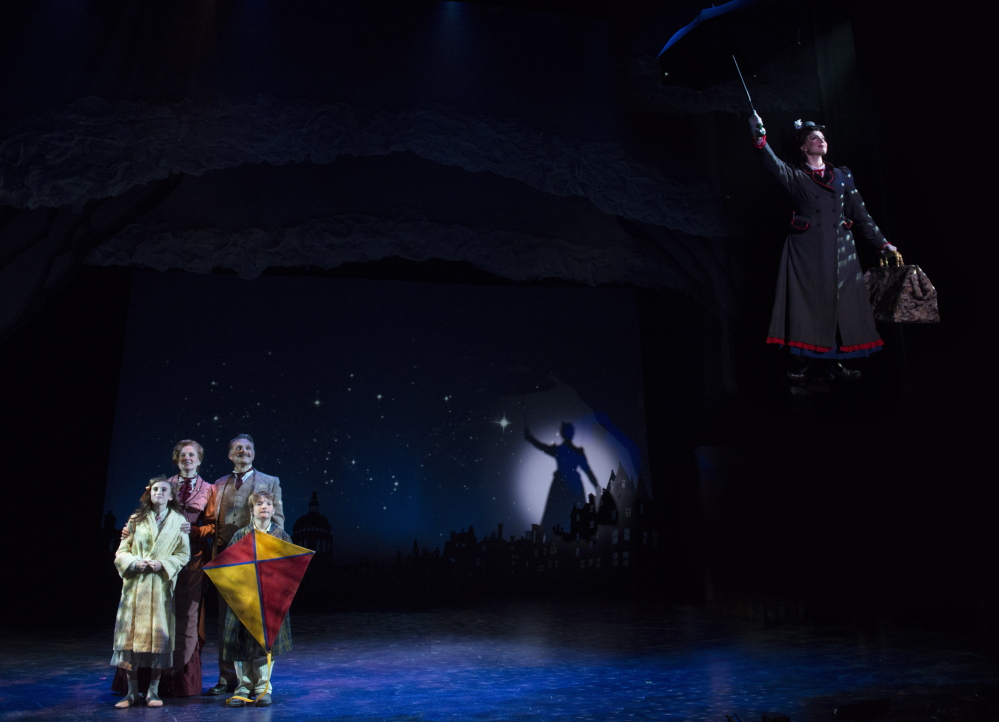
(238,644)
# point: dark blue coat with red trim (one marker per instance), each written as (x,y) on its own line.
(820,287)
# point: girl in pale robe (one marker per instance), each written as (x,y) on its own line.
(148,560)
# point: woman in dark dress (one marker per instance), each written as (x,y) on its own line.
(196,498)
(822,312)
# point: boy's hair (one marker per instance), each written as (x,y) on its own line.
(257,496)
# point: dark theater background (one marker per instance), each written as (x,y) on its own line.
(384,237)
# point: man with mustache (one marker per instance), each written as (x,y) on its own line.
(232,494)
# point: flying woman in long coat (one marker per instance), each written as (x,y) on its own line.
(148,560)
(822,312)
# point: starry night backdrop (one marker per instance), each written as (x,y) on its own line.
(402,404)
(516,142)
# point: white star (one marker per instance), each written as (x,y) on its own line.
(504,422)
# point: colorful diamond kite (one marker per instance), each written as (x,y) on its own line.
(258,577)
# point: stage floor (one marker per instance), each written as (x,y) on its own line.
(541,662)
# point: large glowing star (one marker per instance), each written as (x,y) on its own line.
(258,577)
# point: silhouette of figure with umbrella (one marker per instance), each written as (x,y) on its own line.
(567,483)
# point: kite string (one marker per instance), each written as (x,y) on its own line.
(267,686)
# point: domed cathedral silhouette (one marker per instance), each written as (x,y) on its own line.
(312,530)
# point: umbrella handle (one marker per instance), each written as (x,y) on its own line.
(743,80)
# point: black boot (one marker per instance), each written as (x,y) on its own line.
(839,371)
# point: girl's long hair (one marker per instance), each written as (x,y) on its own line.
(146,504)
